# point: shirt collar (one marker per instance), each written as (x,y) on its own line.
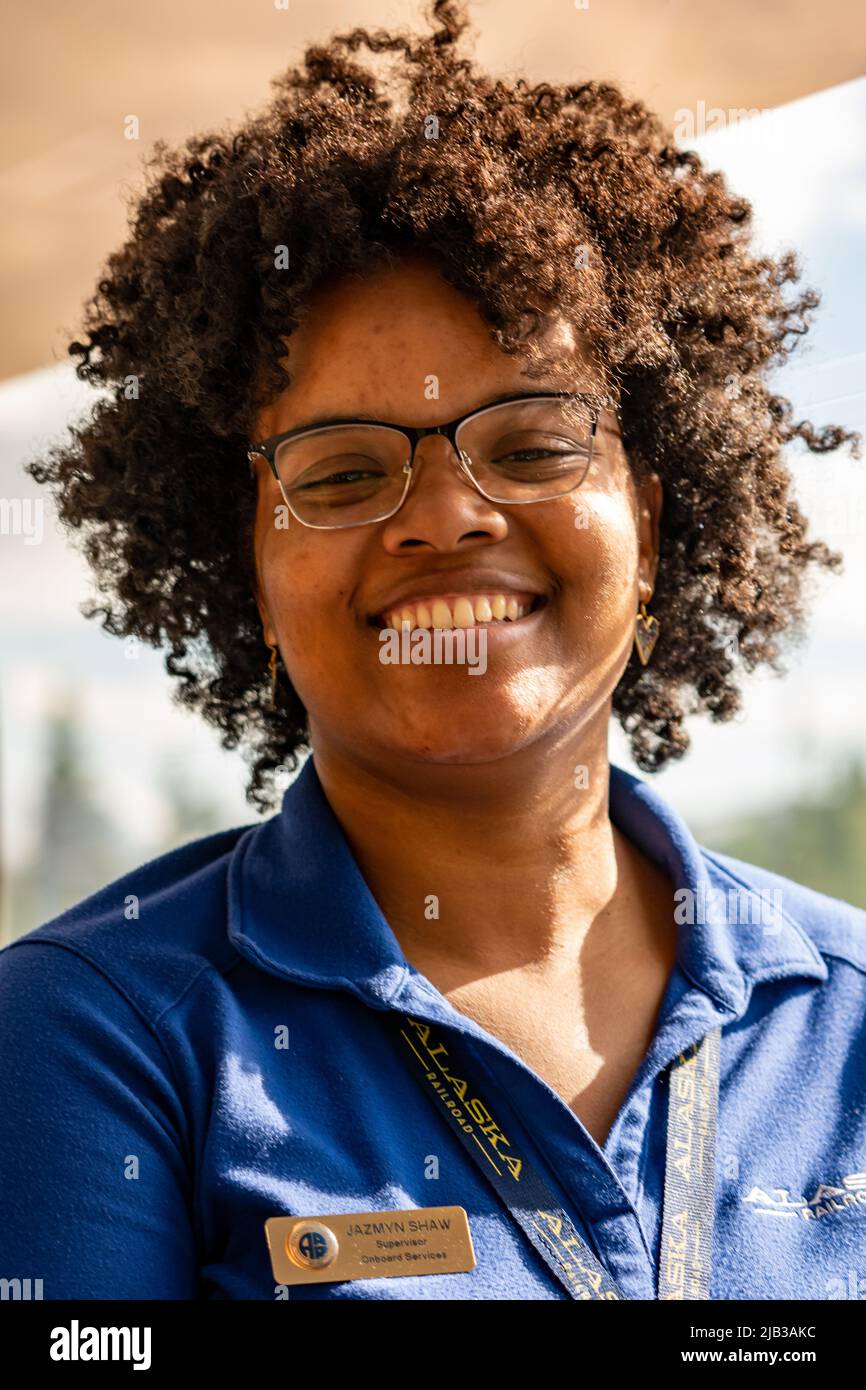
(733,932)
(300,908)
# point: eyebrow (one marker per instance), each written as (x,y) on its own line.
(321,420)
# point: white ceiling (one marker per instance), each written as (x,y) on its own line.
(72,73)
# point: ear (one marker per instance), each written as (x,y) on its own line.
(268,632)
(650,499)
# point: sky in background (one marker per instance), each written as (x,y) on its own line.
(803,167)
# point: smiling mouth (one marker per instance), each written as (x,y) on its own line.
(463,610)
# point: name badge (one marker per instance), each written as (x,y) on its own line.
(369,1245)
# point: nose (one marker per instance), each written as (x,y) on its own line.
(443,509)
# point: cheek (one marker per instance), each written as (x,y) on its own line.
(599,550)
(306,582)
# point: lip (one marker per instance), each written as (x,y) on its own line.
(454,584)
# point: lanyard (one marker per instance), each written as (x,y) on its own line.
(689,1197)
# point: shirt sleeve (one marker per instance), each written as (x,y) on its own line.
(95,1185)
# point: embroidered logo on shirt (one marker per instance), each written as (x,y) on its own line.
(826,1199)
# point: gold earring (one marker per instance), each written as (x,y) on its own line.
(272,667)
(646,631)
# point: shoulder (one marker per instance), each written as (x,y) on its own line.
(836,928)
(148,933)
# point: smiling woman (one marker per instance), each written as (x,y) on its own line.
(435,355)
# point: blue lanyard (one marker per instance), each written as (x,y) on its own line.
(444,1071)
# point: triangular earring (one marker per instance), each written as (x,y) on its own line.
(646,631)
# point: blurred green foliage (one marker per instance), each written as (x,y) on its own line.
(819,840)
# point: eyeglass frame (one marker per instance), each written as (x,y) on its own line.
(267,449)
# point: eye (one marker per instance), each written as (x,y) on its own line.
(345,477)
(340,471)
(537,454)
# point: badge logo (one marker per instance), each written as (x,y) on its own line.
(312,1245)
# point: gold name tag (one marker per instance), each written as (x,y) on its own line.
(369,1245)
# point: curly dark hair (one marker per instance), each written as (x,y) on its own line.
(530,198)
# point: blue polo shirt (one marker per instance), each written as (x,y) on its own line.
(203,1044)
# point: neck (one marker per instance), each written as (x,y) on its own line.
(504,865)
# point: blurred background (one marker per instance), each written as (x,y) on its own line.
(99,769)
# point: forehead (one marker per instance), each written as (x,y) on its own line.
(403,344)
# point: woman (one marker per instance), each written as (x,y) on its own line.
(471,1015)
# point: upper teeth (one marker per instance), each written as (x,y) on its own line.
(465,611)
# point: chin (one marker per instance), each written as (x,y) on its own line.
(487,738)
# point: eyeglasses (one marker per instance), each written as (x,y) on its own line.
(352,472)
